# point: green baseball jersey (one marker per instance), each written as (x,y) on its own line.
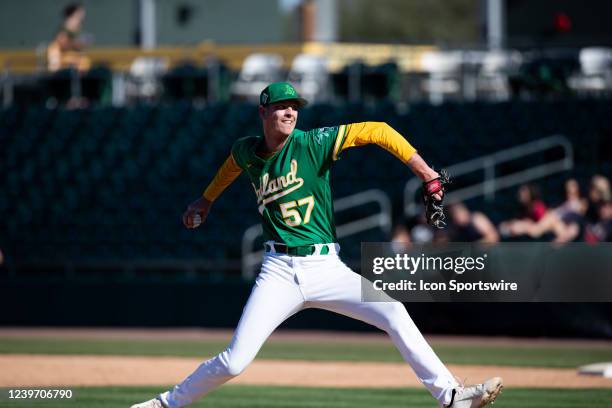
(292,186)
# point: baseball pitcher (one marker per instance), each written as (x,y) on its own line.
(289,170)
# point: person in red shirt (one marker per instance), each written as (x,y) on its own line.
(532,209)
(532,205)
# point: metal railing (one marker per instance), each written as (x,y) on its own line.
(491,183)
(251,258)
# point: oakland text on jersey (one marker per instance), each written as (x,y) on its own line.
(267,186)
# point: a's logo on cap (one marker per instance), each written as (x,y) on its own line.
(288,89)
(264,97)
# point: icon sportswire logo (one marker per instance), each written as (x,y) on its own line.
(271,190)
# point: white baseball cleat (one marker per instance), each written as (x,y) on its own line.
(477,396)
(154,403)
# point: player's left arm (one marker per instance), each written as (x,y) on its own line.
(380,133)
(359,134)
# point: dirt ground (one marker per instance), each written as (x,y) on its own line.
(62,370)
(54,370)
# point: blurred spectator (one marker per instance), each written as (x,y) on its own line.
(532,208)
(565,222)
(65,51)
(601,231)
(599,194)
(599,212)
(413,231)
(421,232)
(469,226)
(574,205)
(400,240)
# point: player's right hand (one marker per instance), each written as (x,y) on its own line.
(196,213)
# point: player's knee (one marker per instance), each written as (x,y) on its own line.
(232,363)
(235,367)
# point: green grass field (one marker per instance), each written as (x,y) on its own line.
(234,396)
(535,356)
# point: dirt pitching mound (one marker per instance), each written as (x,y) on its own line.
(67,370)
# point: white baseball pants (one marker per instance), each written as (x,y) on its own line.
(288,284)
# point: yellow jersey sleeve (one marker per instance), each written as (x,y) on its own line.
(359,134)
(227,173)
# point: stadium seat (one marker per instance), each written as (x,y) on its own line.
(258,70)
(310,76)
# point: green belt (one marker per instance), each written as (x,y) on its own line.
(303,250)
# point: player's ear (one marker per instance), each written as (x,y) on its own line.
(262,112)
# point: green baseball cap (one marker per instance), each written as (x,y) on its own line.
(280,91)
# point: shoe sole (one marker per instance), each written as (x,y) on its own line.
(489,397)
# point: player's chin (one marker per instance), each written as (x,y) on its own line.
(286,129)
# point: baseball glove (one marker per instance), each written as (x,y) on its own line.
(434,209)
